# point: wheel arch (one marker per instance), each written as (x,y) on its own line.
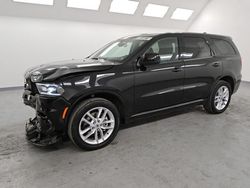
(111,96)
(230,80)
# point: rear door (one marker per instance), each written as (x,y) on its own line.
(201,67)
(228,53)
(160,85)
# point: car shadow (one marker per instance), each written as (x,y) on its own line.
(139,121)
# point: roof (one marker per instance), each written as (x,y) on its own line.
(184,33)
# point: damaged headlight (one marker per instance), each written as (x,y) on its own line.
(49,89)
(36,77)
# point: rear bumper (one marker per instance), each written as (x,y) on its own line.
(47,127)
(237,85)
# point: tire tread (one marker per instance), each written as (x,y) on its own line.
(209,104)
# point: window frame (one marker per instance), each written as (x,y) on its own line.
(216,51)
(153,41)
(207,42)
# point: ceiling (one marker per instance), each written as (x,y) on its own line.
(61,12)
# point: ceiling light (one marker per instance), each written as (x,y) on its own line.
(84,4)
(40,2)
(154,10)
(123,6)
(182,14)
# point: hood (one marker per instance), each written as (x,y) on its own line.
(61,68)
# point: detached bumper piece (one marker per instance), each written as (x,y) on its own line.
(37,132)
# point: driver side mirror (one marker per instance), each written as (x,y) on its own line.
(151,59)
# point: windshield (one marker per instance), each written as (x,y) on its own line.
(120,49)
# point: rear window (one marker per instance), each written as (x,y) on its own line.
(195,47)
(224,48)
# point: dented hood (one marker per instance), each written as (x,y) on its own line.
(61,68)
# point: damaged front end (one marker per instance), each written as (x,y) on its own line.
(34,133)
(47,127)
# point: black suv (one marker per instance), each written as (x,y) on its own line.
(87,99)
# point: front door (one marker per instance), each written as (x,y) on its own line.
(160,85)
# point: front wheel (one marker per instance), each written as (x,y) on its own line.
(219,98)
(94,124)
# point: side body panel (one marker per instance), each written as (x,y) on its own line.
(117,82)
(159,85)
(200,74)
(232,65)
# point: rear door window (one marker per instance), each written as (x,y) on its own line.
(223,47)
(195,47)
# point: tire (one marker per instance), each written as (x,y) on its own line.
(84,124)
(213,107)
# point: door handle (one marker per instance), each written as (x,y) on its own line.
(177,69)
(216,64)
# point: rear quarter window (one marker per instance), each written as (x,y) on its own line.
(223,47)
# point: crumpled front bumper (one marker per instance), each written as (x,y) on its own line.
(34,134)
(48,127)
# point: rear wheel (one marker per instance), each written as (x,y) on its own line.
(94,124)
(219,98)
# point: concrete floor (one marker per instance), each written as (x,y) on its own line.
(189,150)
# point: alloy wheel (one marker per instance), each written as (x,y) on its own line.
(221,98)
(96,125)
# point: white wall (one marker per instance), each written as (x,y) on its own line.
(25,42)
(228,18)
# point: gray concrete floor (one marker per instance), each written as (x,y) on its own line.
(189,150)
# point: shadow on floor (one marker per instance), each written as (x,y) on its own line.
(140,121)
